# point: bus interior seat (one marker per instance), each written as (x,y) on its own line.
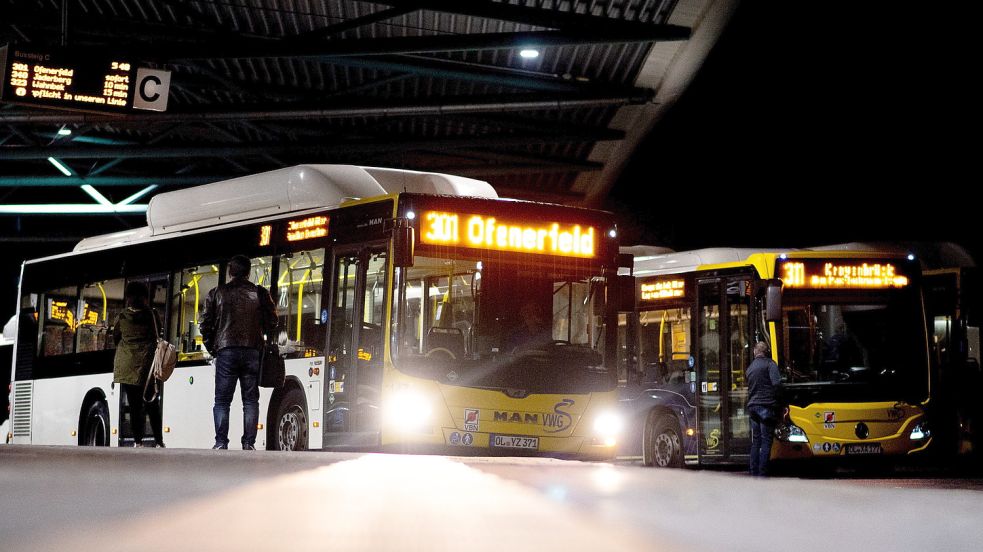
(445,340)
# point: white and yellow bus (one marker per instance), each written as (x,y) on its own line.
(847,329)
(398,294)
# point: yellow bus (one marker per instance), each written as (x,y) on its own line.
(847,329)
(400,297)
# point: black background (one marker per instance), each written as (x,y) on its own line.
(808,124)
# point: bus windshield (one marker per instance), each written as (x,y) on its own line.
(501,324)
(875,345)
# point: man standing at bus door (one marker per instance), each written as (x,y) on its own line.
(763,381)
(237,315)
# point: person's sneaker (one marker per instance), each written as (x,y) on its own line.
(220,447)
(248,447)
(137,445)
(159,445)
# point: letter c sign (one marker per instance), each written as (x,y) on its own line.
(152,87)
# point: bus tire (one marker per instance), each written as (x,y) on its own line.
(95,426)
(290,424)
(662,446)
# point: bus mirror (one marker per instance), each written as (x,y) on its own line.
(404,240)
(773,301)
(626,293)
(626,260)
(599,297)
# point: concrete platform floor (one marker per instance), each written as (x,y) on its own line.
(80,499)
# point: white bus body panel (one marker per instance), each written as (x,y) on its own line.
(303,369)
(57,405)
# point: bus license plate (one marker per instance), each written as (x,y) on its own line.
(866,448)
(514,441)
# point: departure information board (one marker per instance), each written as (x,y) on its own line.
(79,80)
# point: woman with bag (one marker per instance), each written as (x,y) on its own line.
(135,333)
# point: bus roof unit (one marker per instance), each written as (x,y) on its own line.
(685,261)
(297,188)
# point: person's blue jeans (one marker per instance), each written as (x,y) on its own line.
(236,364)
(763,421)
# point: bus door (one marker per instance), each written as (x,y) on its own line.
(724,351)
(355,347)
(158,287)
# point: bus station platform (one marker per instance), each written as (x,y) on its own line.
(62,498)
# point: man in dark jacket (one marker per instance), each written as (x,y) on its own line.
(762,405)
(237,315)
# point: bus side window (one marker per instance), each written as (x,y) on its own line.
(101,303)
(60,321)
(299,286)
(191,287)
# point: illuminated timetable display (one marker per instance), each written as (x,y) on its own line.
(842,274)
(60,78)
(655,290)
(484,232)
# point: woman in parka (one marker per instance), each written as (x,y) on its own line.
(136,341)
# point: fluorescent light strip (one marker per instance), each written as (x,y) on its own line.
(61,167)
(101,199)
(138,195)
(70,209)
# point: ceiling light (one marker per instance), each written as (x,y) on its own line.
(58,165)
(64,131)
(529,53)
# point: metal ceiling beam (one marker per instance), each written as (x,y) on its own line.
(320,148)
(343,26)
(507,170)
(106,181)
(518,13)
(526,167)
(479,104)
(400,44)
(500,76)
(517,158)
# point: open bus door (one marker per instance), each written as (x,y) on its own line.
(724,350)
(355,347)
(950,304)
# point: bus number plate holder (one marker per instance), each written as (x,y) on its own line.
(515,441)
(865,448)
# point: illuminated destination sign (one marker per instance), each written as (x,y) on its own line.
(79,80)
(662,289)
(842,274)
(306,229)
(58,310)
(482,232)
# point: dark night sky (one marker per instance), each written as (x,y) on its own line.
(807,124)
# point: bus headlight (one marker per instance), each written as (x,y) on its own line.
(791,433)
(408,410)
(920,431)
(607,427)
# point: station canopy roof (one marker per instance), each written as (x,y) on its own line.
(544,99)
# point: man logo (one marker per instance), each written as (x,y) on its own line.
(152,89)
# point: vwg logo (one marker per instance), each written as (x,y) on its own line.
(559,419)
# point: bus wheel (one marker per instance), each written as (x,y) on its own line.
(95,426)
(662,447)
(291,423)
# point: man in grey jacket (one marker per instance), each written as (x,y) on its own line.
(762,405)
(237,315)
